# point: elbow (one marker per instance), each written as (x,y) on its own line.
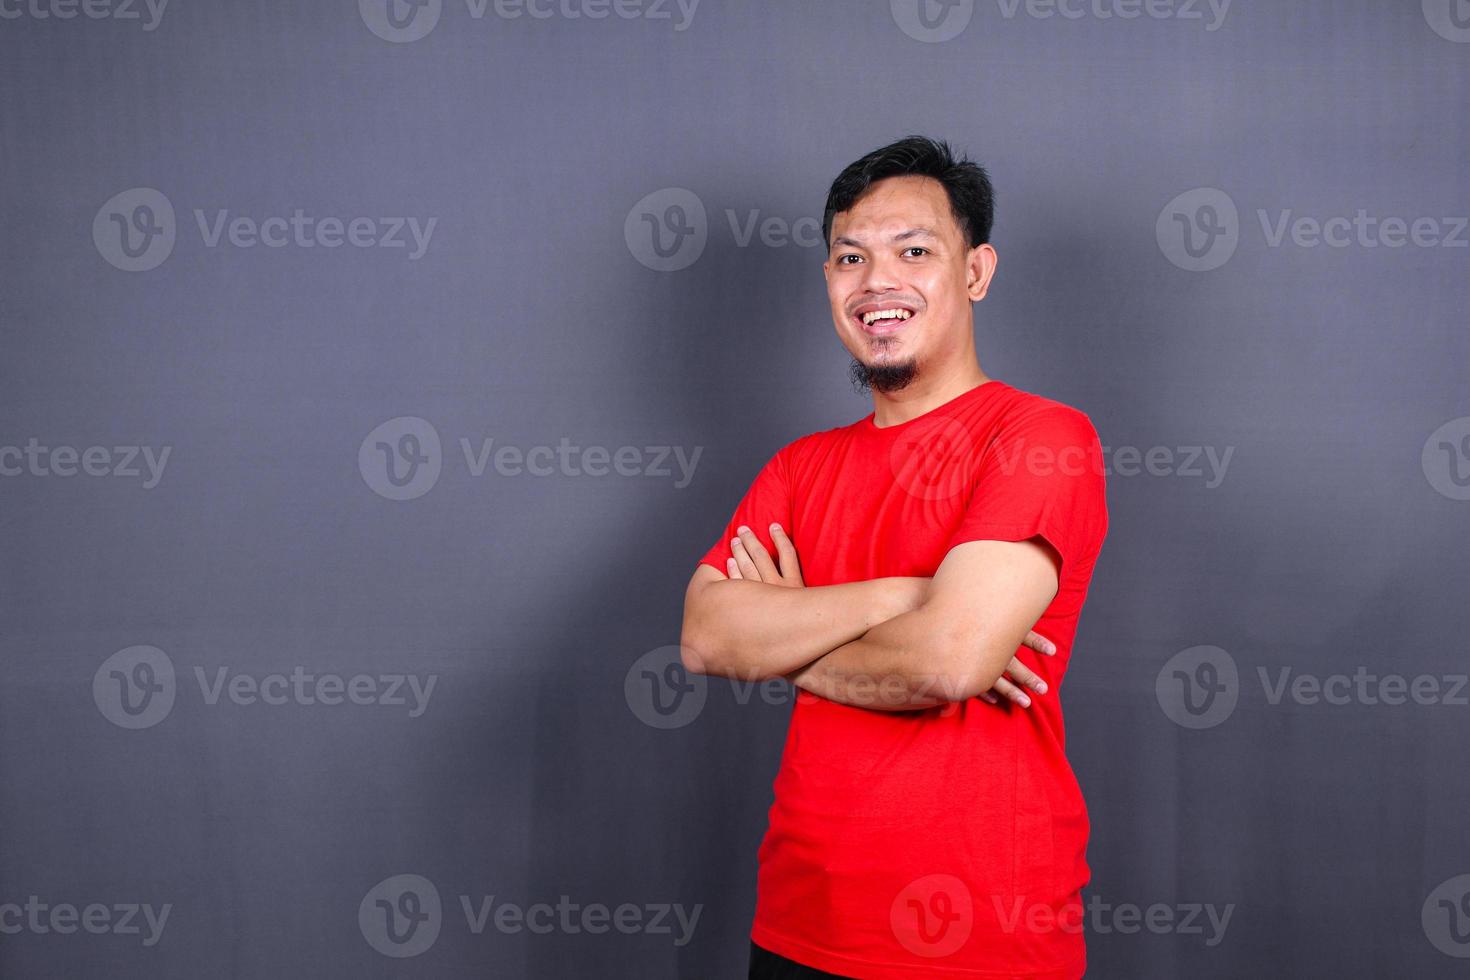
(693,652)
(693,647)
(959,685)
(970,685)
(707,646)
(699,649)
(702,653)
(966,669)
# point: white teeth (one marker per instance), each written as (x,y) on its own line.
(876,315)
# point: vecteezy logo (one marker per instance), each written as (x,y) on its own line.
(1450,19)
(1199,229)
(1446,917)
(1198,687)
(667,230)
(134,688)
(932,21)
(135,230)
(661,693)
(401,915)
(933,916)
(400,21)
(401,459)
(1446,459)
(931,458)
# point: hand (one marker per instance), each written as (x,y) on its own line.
(752,560)
(1022,675)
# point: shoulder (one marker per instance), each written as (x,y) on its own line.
(792,453)
(1041,418)
(803,446)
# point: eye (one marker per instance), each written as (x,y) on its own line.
(916,248)
(842,259)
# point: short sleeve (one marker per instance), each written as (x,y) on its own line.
(767,500)
(1041,475)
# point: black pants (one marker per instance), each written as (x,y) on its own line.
(766,965)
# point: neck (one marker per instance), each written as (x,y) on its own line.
(925,394)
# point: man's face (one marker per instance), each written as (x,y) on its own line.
(900,279)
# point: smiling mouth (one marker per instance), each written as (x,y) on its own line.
(882,323)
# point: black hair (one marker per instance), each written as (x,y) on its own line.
(971,198)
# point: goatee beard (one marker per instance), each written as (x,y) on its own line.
(882,377)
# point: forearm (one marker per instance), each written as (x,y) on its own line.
(898,665)
(753,630)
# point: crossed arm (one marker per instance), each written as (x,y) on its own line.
(894,644)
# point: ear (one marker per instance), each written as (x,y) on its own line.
(979,268)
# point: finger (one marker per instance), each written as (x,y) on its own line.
(790,565)
(732,569)
(1013,692)
(1039,643)
(743,560)
(1025,676)
(989,698)
(758,553)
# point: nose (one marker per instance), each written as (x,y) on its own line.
(880,274)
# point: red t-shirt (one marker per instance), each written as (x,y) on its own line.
(948,842)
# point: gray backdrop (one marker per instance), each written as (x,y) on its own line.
(373,377)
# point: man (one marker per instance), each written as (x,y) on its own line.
(892,569)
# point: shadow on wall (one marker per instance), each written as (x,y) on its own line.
(622,812)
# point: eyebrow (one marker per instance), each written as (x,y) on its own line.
(901,236)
